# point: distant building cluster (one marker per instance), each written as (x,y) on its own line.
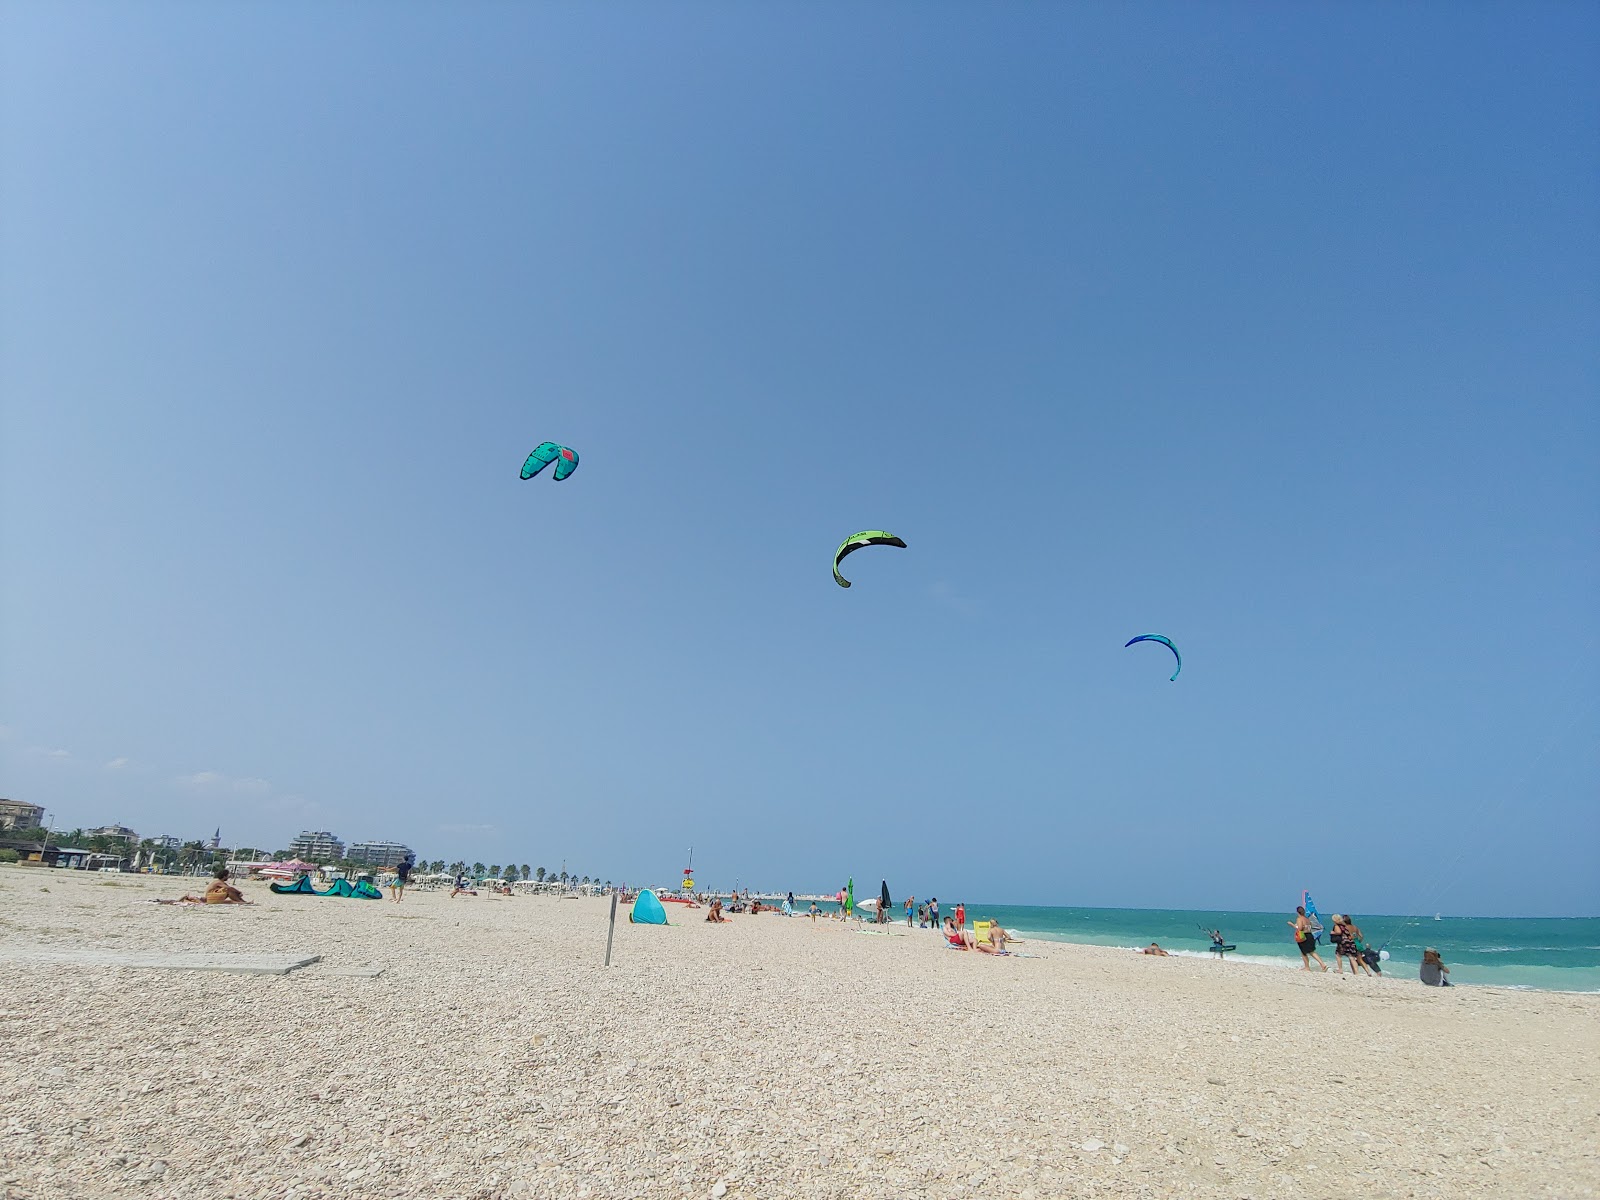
(322,846)
(316,845)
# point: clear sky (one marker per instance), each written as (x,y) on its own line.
(1271,329)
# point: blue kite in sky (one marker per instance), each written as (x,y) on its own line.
(1167,642)
(545,453)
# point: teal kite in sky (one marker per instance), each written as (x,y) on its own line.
(1167,642)
(545,453)
(867,537)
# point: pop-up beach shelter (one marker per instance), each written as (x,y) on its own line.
(647,910)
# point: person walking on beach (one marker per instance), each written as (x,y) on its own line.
(402,872)
(1347,944)
(1305,940)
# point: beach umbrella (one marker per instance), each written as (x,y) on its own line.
(884,903)
(849,895)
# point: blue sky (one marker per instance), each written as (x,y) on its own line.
(1270,329)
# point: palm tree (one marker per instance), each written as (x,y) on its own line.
(437,866)
(458,868)
(477,870)
(495,870)
(526,874)
(539,875)
(511,873)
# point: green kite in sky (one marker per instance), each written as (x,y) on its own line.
(867,537)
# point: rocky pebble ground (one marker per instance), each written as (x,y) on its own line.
(495,1057)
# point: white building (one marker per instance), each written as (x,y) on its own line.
(379,854)
(318,846)
(114,831)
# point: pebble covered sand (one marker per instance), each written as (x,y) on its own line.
(768,1057)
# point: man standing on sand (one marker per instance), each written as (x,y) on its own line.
(402,872)
(911,906)
(933,912)
(961,916)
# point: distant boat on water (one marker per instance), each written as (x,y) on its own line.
(1437,917)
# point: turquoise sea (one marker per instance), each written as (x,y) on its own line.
(1550,953)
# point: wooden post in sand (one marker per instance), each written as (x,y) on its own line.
(612,932)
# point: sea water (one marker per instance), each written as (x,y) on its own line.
(1549,953)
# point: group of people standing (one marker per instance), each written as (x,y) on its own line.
(1348,944)
(927,915)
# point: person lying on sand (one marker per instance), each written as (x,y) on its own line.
(1152,948)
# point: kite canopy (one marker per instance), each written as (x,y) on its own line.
(867,537)
(545,453)
(1167,642)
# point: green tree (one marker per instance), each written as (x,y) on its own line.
(458,867)
(494,870)
(437,866)
(477,870)
(539,875)
(526,874)
(512,874)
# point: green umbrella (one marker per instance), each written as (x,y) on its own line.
(850,896)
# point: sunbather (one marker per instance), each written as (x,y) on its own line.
(996,941)
(218,891)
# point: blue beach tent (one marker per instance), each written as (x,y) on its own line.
(647,910)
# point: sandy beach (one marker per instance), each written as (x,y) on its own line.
(495,1057)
